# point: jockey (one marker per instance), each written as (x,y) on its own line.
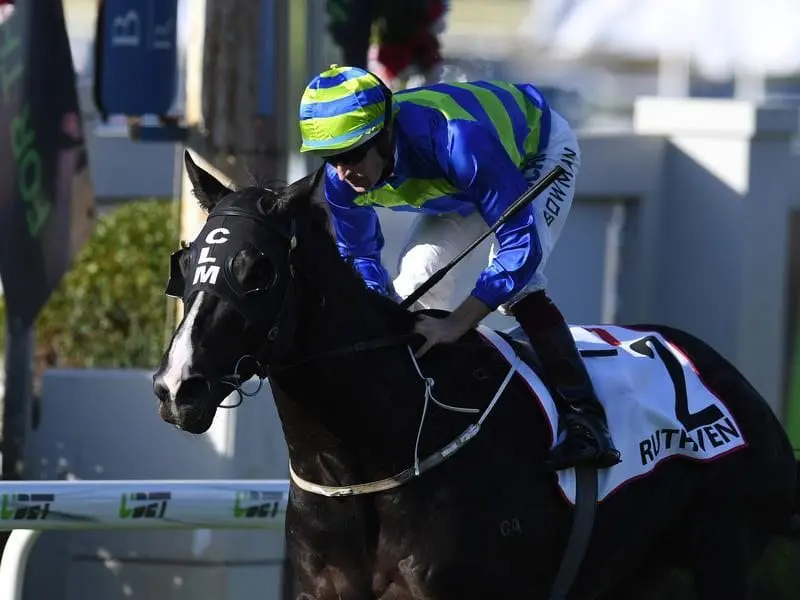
(459,155)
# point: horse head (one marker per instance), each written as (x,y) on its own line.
(254,284)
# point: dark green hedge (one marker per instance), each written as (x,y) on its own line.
(110,309)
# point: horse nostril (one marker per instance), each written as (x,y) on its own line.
(160,389)
(192,389)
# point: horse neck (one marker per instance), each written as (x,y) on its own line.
(349,416)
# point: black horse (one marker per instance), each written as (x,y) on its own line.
(266,293)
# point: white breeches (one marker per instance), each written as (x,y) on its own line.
(434,240)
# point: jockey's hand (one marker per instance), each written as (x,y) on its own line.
(438,331)
(452,327)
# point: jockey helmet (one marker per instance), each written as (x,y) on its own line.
(342,108)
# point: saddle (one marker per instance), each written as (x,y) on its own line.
(517,339)
(522,346)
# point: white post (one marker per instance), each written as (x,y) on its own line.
(674,75)
(750,86)
(15,560)
(191,217)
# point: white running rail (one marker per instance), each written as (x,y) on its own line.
(27,508)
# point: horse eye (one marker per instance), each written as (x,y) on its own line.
(254,271)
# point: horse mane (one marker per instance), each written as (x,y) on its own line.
(305,197)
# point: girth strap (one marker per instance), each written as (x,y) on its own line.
(581,532)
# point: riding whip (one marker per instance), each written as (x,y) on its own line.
(526,198)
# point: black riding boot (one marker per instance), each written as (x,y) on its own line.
(581,416)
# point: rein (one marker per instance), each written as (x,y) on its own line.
(235,380)
(420,466)
(373,344)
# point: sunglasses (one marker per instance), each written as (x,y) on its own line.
(351,157)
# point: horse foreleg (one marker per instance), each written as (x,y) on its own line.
(718,552)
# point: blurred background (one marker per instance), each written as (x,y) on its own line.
(688,114)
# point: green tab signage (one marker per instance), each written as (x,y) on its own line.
(141,505)
(25,507)
(257,505)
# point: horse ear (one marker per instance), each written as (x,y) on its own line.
(313,187)
(207,189)
(316,187)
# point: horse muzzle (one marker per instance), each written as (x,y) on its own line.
(192,409)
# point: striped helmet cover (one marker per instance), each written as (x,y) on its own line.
(341,108)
